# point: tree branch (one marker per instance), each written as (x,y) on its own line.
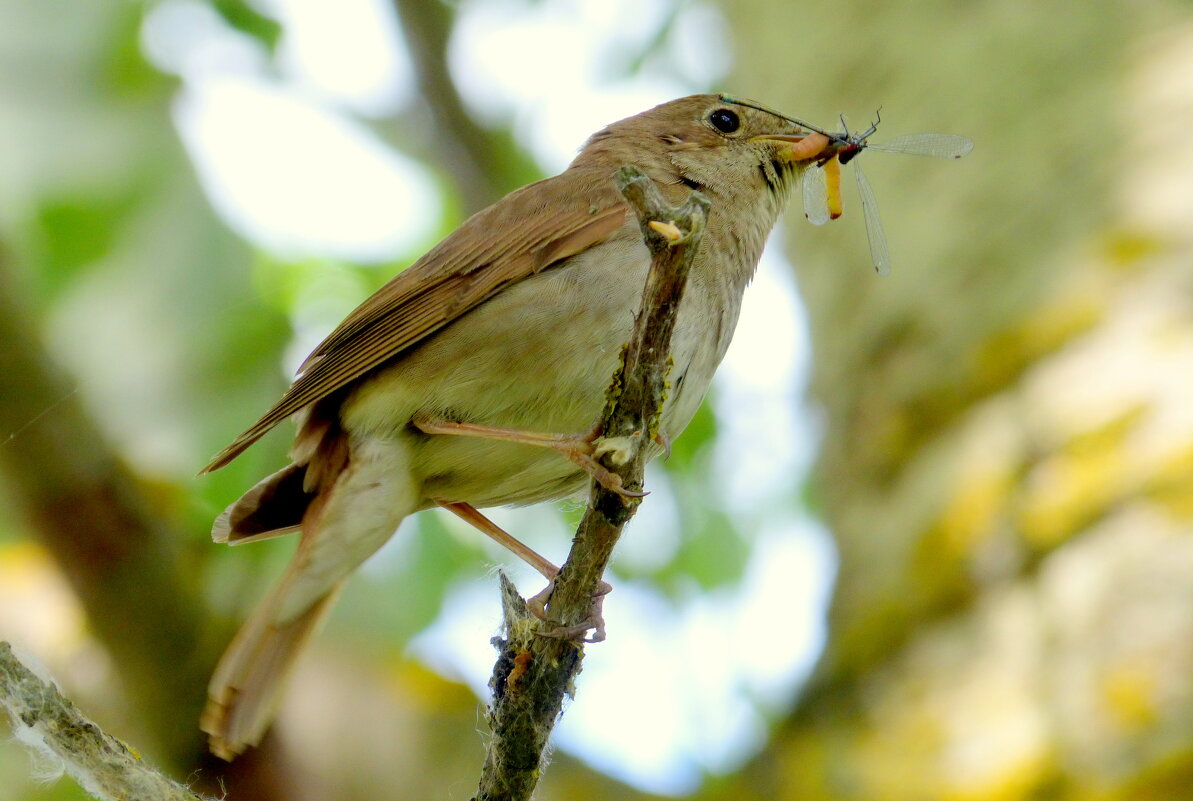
(49,723)
(533,671)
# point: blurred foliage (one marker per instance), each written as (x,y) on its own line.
(247,18)
(176,333)
(977,244)
(1013,615)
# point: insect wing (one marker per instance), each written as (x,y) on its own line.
(879,254)
(815,195)
(945,146)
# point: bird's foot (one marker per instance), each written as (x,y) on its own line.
(595,622)
(537,604)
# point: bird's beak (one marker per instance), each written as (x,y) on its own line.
(796,147)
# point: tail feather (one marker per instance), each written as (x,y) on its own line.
(350,516)
(274,506)
(245,689)
(277,504)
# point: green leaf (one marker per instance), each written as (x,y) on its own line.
(714,555)
(687,447)
(74,231)
(245,18)
(126,73)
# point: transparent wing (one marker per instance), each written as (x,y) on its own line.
(879,254)
(946,146)
(815,195)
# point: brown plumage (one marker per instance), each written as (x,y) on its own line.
(514,320)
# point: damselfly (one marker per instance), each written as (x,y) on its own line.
(829,151)
(822,179)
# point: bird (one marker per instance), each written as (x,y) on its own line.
(444,386)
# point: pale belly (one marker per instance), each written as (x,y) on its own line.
(537,357)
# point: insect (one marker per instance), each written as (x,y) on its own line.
(822,180)
(830,151)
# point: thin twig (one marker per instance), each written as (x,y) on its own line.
(483,164)
(533,672)
(47,721)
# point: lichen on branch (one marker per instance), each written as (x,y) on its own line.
(50,724)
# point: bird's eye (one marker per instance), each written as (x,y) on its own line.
(724,120)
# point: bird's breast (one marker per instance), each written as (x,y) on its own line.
(538,356)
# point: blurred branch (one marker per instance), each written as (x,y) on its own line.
(122,562)
(52,726)
(535,669)
(465,149)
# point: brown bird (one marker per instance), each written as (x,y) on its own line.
(437,389)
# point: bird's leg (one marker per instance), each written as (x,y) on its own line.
(470,514)
(577,448)
(537,604)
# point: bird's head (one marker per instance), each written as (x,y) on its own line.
(711,142)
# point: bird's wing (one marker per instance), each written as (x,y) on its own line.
(522,234)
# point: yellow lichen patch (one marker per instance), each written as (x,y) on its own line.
(37,606)
(1006,354)
(973,512)
(807,769)
(1129,248)
(1065,493)
(955,719)
(896,758)
(975,743)
(1168,779)
(1171,484)
(1129,693)
(1078,483)
(1110,434)
(1018,780)
(979,476)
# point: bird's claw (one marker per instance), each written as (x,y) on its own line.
(583,450)
(612,482)
(663,441)
(595,622)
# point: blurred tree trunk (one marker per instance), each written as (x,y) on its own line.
(123,563)
(1007,464)
(89,512)
(89,163)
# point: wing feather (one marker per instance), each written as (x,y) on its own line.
(522,234)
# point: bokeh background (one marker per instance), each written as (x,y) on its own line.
(930,538)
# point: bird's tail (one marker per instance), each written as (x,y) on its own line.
(247,683)
(352,513)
